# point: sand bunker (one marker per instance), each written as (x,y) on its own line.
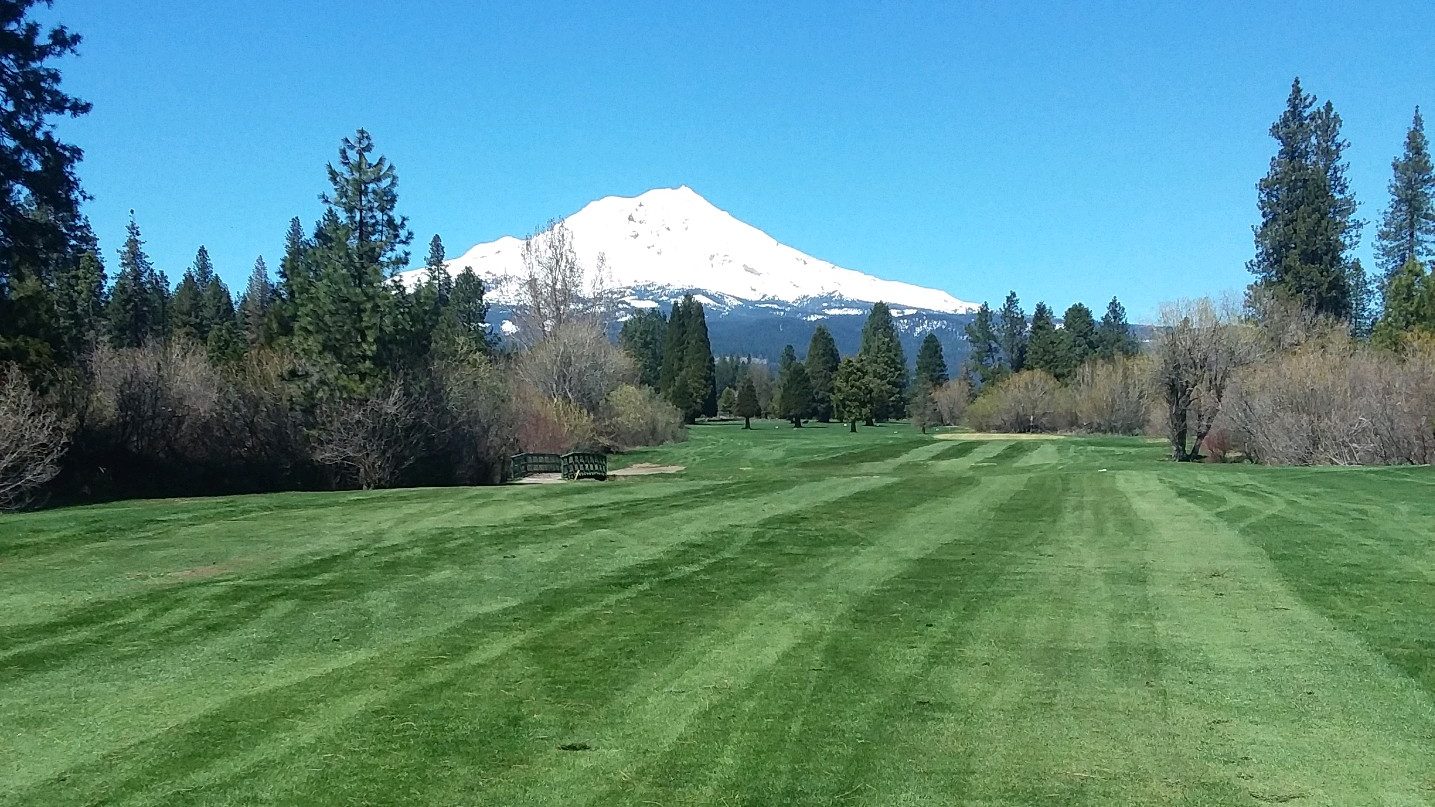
(645,469)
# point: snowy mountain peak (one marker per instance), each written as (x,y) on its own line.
(674,240)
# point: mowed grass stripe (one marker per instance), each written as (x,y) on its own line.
(543,591)
(1296,707)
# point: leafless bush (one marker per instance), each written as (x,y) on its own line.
(471,420)
(1334,402)
(372,439)
(32,440)
(951,400)
(1200,345)
(556,289)
(637,416)
(1030,401)
(576,364)
(552,426)
(1112,396)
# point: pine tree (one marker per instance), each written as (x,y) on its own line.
(254,306)
(642,337)
(688,378)
(1408,228)
(931,364)
(1113,335)
(134,313)
(984,359)
(787,358)
(796,394)
(186,313)
(365,194)
(1012,334)
(1081,337)
(1408,306)
(1308,223)
(727,401)
(747,405)
(1048,348)
(436,270)
(822,360)
(463,327)
(675,343)
(80,303)
(856,392)
(884,358)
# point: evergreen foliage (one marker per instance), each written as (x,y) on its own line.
(985,364)
(1049,349)
(884,359)
(255,305)
(138,300)
(1407,230)
(796,393)
(1079,326)
(822,360)
(931,364)
(688,379)
(1113,335)
(1012,334)
(1308,225)
(643,336)
(463,327)
(747,404)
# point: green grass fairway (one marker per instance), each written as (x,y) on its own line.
(801,617)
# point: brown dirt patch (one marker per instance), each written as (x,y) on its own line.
(201,572)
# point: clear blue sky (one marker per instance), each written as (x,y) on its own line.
(1067,152)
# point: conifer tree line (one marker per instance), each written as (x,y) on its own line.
(327,368)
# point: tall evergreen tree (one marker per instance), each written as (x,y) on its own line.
(1113,335)
(1081,337)
(931,364)
(80,302)
(463,328)
(688,378)
(642,337)
(796,393)
(984,357)
(436,270)
(786,359)
(134,312)
(1408,228)
(884,358)
(186,313)
(255,304)
(40,193)
(365,195)
(747,404)
(1048,348)
(1012,333)
(1308,223)
(822,360)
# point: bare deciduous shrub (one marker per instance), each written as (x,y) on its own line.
(1030,401)
(1199,347)
(1112,397)
(576,364)
(372,439)
(472,420)
(32,440)
(951,400)
(637,416)
(552,426)
(1333,402)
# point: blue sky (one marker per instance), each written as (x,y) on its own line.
(1068,151)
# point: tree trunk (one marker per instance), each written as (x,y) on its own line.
(854,426)
(747,423)
(797,423)
(868,422)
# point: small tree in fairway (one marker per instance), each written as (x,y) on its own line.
(796,394)
(747,405)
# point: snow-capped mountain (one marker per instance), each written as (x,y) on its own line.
(671,241)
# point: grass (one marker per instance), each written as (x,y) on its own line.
(800,617)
